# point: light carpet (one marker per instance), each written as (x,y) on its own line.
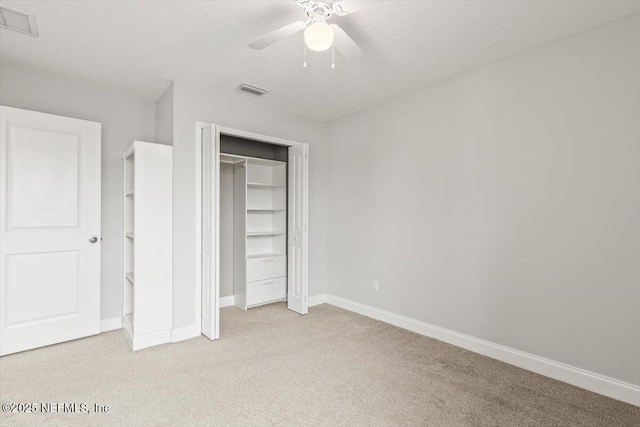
(274,367)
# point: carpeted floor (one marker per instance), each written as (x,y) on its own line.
(274,367)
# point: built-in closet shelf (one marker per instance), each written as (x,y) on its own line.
(263,233)
(264,162)
(257,188)
(268,255)
(264,185)
(146,261)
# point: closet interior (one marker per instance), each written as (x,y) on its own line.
(253,221)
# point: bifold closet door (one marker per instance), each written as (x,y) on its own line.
(49,229)
(298,184)
(210,232)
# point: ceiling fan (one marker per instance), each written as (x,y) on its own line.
(318,35)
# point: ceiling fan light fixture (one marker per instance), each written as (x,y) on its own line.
(318,36)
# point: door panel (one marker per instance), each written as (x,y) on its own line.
(298,229)
(210,232)
(49,208)
(42,178)
(30,274)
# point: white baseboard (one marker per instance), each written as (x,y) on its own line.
(110,324)
(184,333)
(226,301)
(575,376)
(317,300)
(150,340)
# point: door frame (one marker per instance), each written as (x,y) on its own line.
(221,130)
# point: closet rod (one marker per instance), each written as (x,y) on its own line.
(242,162)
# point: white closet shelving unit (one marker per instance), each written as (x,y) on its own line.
(260,230)
(147,251)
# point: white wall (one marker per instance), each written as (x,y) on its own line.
(503,204)
(123,120)
(193,104)
(164,117)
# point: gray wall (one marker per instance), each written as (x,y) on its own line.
(164,117)
(193,104)
(226,229)
(504,203)
(123,120)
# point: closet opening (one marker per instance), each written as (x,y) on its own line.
(252,200)
(253,222)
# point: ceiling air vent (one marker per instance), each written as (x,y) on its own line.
(253,89)
(17,20)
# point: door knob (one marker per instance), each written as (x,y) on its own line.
(93,239)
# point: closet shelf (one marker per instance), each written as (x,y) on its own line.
(147,272)
(264,233)
(267,255)
(264,162)
(264,185)
(257,223)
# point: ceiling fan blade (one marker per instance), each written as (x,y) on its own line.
(345,7)
(345,44)
(279,34)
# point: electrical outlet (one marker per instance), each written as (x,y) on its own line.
(375,286)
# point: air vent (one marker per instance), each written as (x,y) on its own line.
(17,20)
(253,89)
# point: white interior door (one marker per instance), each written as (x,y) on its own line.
(297,288)
(210,232)
(49,229)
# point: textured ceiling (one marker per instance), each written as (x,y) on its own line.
(138,48)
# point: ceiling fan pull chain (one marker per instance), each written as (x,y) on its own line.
(333,56)
(304,64)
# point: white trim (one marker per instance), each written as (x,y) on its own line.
(198,185)
(317,300)
(257,137)
(226,301)
(151,340)
(185,333)
(575,376)
(111,324)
